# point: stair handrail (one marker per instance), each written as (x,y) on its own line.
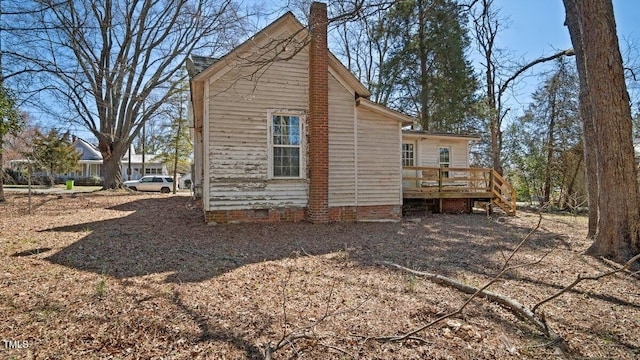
(508,195)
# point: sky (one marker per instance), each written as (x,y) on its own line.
(535,29)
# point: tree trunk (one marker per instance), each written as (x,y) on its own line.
(590,168)
(605,106)
(496,143)
(425,117)
(588,132)
(112,152)
(2,199)
(570,201)
(550,147)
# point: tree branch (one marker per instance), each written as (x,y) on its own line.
(503,88)
(511,304)
(580,279)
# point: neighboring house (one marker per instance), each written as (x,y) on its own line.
(151,166)
(284,132)
(184,181)
(90,163)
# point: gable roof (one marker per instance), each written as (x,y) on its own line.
(272,32)
(424,134)
(196,64)
(88,150)
(404,119)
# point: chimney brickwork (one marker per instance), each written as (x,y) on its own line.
(318,116)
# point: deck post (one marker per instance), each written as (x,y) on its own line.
(491,180)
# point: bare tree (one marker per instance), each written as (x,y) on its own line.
(487,25)
(606,112)
(103,60)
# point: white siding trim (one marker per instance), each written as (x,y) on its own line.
(355,154)
(301,114)
(206,172)
(415,157)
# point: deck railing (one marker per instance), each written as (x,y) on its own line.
(476,182)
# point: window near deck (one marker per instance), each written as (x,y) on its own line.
(286,146)
(408,154)
(445,159)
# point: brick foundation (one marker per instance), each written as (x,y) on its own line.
(379,212)
(254,216)
(456,206)
(274,215)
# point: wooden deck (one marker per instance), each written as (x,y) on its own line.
(482,184)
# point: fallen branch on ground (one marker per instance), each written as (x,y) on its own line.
(581,278)
(515,306)
(511,304)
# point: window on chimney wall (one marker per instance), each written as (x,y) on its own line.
(286,145)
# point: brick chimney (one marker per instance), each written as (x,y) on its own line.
(318,116)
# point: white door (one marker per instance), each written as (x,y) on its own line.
(410,158)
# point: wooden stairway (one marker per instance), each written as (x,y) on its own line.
(504,195)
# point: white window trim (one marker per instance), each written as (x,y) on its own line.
(444,147)
(303,142)
(413,152)
(440,163)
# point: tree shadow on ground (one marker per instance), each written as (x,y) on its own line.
(163,235)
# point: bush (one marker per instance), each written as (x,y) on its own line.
(11,177)
(89,181)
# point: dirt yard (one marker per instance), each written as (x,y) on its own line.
(121,276)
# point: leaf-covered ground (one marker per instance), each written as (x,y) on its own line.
(122,276)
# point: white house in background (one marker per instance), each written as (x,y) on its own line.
(151,166)
(90,163)
(90,160)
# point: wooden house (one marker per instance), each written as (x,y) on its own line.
(284,132)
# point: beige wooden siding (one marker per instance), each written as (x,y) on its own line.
(238,153)
(342,176)
(379,160)
(429,155)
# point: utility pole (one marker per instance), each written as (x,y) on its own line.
(144,139)
(177,144)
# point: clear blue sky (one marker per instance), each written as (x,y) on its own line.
(536,28)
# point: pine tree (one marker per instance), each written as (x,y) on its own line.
(54,153)
(548,133)
(175,147)
(429,64)
(10,123)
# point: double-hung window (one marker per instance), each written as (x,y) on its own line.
(445,159)
(286,145)
(408,154)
